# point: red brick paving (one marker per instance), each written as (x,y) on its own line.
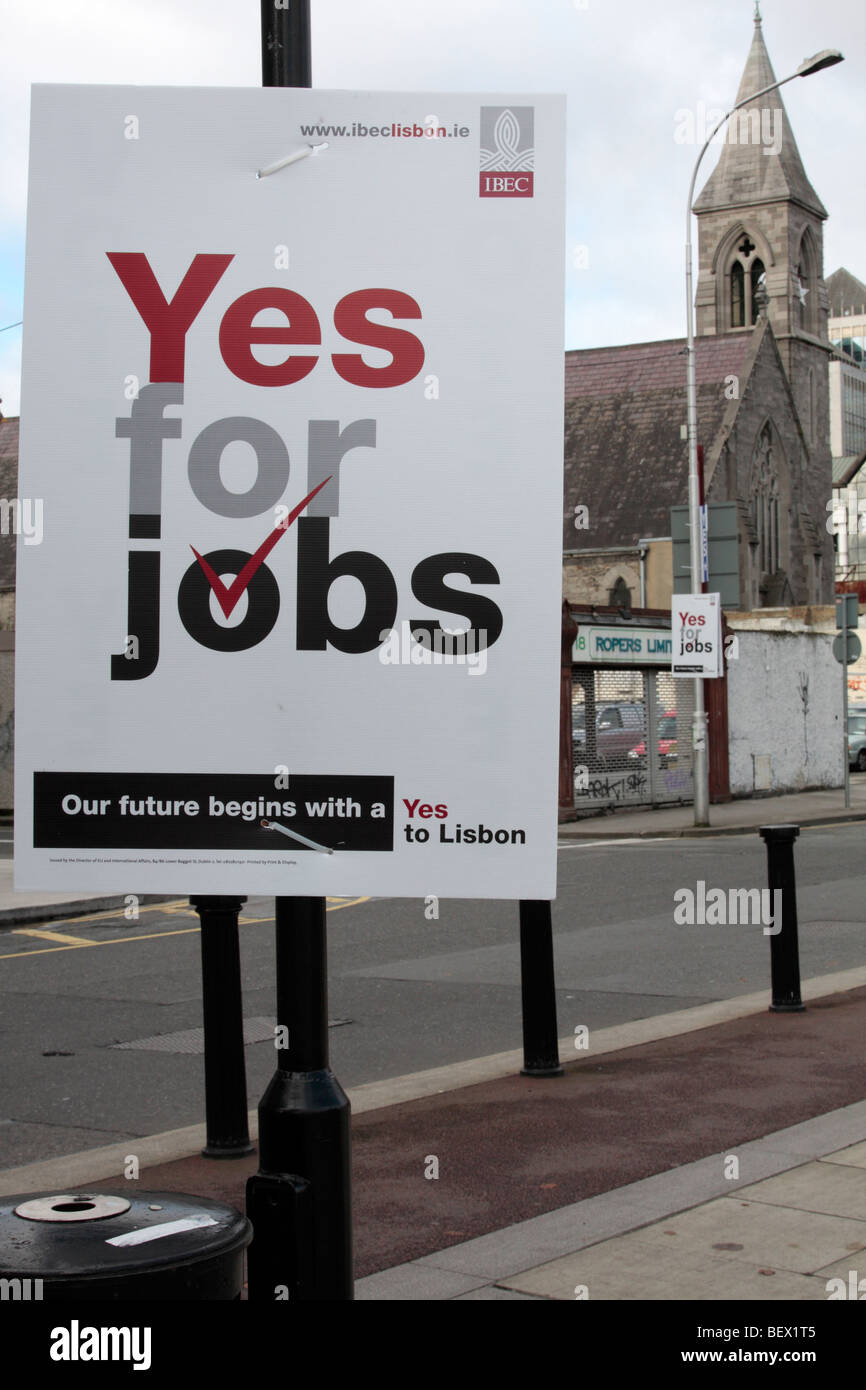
(516,1148)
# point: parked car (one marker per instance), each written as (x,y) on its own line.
(666,732)
(618,727)
(857,741)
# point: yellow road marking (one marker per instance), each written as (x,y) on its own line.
(77,943)
(332,905)
(50,935)
(115,941)
(112,912)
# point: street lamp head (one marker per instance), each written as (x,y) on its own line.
(827,58)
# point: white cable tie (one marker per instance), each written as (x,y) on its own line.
(293,835)
(289,159)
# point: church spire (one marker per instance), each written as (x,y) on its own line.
(760,161)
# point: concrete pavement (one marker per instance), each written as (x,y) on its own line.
(40,906)
(744,816)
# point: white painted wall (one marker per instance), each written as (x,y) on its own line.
(784,711)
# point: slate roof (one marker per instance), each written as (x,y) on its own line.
(847,294)
(8,490)
(625,458)
(845,469)
(746,174)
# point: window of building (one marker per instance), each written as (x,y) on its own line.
(855,537)
(620,594)
(850,339)
(747,281)
(738,296)
(757,281)
(764,503)
(804,288)
(853,412)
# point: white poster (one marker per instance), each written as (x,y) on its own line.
(292,402)
(696,634)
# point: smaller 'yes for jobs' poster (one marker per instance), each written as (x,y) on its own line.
(696,635)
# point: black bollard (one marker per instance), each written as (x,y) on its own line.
(300,1201)
(538,991)
(784,951)
(225,1078)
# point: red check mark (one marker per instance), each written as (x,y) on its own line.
(228,597)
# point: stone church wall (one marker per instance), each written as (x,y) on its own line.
(765,396)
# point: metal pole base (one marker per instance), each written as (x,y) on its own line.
(300,1201)
(228,1133)
(538,991)
(784,948)
(232,1150)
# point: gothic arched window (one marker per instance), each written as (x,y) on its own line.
(620,594)
(804,286)
(738,296)
(764,502)
(757,281)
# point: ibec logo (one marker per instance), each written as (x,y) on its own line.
(147,427)
(507,152)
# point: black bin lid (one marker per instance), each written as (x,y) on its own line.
(53,1236)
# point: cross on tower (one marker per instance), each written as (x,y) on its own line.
(746,246)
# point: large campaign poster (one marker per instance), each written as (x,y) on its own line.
(292,399)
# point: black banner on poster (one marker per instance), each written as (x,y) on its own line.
(164,810)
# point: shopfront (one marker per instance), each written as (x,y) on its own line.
(631,720)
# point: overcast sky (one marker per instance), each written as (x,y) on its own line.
(627,68)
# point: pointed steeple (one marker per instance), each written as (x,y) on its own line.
(760,161)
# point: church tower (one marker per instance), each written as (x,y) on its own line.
(760,238)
